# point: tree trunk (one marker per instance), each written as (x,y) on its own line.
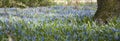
(106,10)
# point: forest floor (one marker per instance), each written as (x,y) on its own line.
(50,11)
(55,23)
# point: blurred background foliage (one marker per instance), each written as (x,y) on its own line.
(25,3)
(37,3)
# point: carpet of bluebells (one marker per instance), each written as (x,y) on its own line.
(56,23)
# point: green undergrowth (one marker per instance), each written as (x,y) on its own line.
(58,29)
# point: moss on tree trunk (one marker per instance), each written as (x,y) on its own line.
(106,10)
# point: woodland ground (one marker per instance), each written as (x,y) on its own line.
(56,23)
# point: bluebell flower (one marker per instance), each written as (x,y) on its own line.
(56,37)
(117,37)
(79,39)
(85,27)
(1,33)
(114,29)
(34,38)
(28,37)
(42,38)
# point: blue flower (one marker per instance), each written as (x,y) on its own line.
(34,38)
(56,37)
(42,38)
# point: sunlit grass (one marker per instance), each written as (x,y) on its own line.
(71,28)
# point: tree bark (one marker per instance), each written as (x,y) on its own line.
(106,10)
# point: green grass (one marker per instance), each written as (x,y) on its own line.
(69,29)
